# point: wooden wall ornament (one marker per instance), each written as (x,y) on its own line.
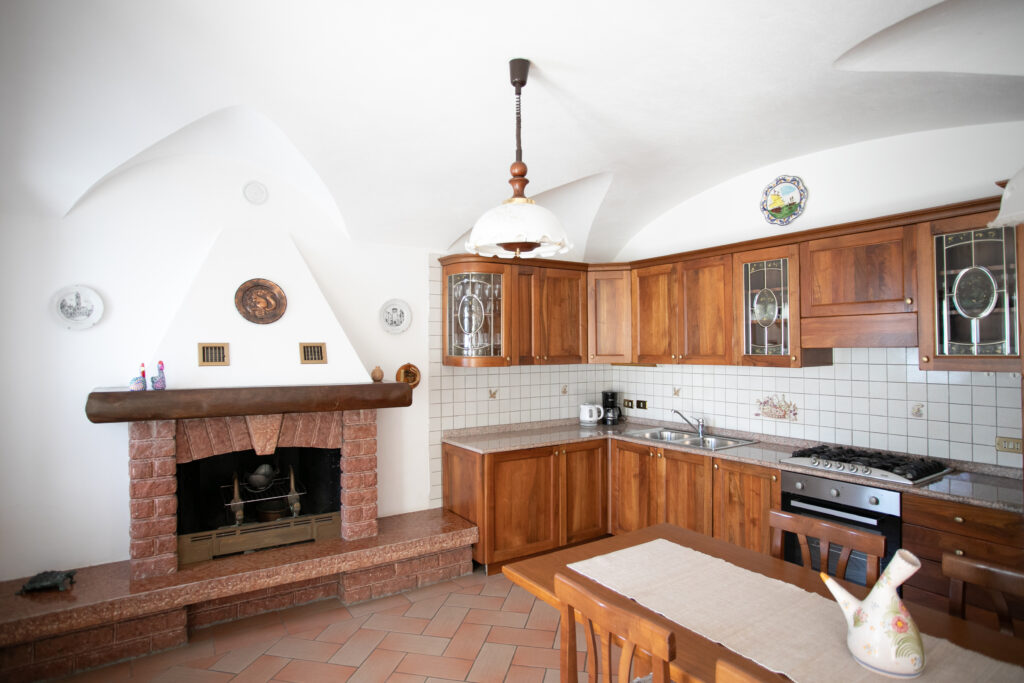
(260,301)
(408,373)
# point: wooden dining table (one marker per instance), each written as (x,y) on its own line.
(696,655)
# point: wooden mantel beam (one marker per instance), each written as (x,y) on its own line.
(119,405)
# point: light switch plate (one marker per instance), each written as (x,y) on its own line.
(627,403)
(641,405)
(1008,444)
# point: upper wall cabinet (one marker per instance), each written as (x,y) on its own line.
(474,314)
(655,305)
(550,320)
(767,310)
(970,319)
(859,289)
(705,311)
(609,337)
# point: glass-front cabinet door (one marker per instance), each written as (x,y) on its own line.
(475,318)
(973,322)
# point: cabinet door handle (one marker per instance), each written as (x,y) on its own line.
(715,465)
(908,301)
(793,358)
(673,356)
(925,359)
(508,359)
(536,357)
(661,453)
(958,519)
(591,355)
(563,451)
(545,357)
(774,478)
(958,552)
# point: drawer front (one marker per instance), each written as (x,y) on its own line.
(930,544)
(998,526)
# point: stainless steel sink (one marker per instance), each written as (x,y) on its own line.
(711,443)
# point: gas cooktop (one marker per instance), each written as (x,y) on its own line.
(903,469)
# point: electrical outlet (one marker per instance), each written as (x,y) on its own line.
(641,405)
(1008,444)
(627,403)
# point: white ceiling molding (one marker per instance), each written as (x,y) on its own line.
(956,36)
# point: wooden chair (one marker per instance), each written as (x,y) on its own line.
(827,533)
(603,625)
(997,580)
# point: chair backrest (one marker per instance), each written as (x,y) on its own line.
(827,533)
(997,580)
(604,624)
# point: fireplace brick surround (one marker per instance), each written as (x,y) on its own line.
(149,603)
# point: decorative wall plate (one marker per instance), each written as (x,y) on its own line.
(395,316)
(260,301)
(408,373)
(77,307)
(784,200)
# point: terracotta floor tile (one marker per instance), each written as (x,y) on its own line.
(467,641)
(429,665)
(527,674)
(434,679)
(518,600)
(390,622)
(263,635)
(496,586)
(237,660)
(378,605)
(442,588)
(521,636)
(475,601)
(203,662)
(543,616)
(262,670)
(377,667)
(343,630)
(473,589)
(492,663)
(492,618)
(309,650)
(358,647)
(427,607)
(319,620)
(446,622)
(300,671)
(406,678)
(543,657)
(407,642)
(146,667)
(186,674)
(108,674)
(478,576)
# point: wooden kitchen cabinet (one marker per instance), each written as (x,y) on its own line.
(475,301)
(651,485)
(767,310)
(743,494)
(961,325)
(860,289)
(655,295)
(705,311)
(609,314)
(528,501)
(932,527)
(550,319)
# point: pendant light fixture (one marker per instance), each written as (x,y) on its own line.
(518,228)
(1011,208)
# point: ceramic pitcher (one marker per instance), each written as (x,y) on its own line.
(881,635)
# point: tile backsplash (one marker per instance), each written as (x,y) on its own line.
(873,398)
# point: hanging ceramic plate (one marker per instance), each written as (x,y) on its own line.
(77,307)
(395,316)
(975,292)
(784,200)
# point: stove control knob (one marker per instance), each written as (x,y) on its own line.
(799,486)
(814,461)
(866,470)
(839,466)
(834,493)
(873,500)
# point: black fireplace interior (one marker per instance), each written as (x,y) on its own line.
(205,487)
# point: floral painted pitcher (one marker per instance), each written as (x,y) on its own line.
(880,633)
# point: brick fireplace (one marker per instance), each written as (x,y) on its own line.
(157,447)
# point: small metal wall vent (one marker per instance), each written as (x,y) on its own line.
(312,352)
(214,354)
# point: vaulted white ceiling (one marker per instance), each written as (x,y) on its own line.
(405,111)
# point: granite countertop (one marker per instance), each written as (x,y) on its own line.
(985,485)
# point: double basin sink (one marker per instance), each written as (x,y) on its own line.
(676,437)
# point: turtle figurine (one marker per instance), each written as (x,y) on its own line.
(49,580)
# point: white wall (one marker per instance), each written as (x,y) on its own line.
(140,241)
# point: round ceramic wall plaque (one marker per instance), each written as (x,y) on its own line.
(260,301)
(395,316)
(784,200)
(77,307)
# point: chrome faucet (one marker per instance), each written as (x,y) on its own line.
(699,427)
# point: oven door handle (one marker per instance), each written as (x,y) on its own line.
(833,513)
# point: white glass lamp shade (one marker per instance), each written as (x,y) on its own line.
(518,222)
(1011,210)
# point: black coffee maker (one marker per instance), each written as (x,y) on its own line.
(610,403)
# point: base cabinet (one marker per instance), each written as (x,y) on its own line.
(743,495)
(528,501)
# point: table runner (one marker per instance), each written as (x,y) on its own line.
(782,627)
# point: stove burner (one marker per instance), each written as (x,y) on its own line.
(872,463)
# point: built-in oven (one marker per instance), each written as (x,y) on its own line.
(864,507)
